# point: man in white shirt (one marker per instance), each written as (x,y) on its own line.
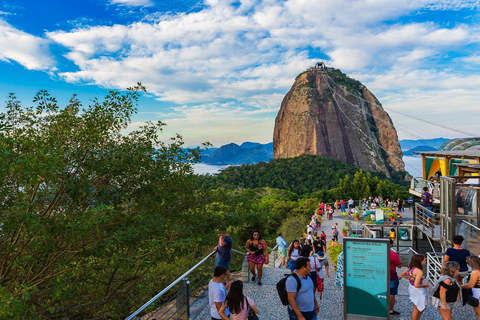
(217,292)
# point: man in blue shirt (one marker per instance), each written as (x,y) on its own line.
(224,250)
(427,199)
(282,247)
(302,303)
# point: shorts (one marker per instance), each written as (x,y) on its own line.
(438,303)
(256,259)
(291,264)
(282,253)
(307,315)
(394,287)
(225,263)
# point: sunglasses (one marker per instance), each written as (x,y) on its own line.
(255,234)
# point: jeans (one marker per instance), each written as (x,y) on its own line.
(311,315)
(343,207)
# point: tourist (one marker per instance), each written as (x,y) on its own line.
(410,202)
(458,254)
(323,236)
(350,204)
(418,286)
(217,292)
(314,263)
(319,245)
(339,276)
(310,237)
(342,205)
(257,255)
(302,303)
(224,251)
(238,304)
(446,290)
(427,200)
(282,247)
(474,283)
(337,204)
(293,254)
(330,212)
(308,245)
(400,205)
(323,265)
(335,233)
(394,281)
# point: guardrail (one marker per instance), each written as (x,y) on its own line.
(434,265)
(418,184)
(425,219)
(190,286)
(471,233)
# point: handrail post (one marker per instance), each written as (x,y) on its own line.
(183,300)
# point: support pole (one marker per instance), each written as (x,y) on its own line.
(183,300)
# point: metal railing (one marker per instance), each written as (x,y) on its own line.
(190,286)
(403,241)
(471,233)
(425,219)
(434,265)
(179,309)
(418,184)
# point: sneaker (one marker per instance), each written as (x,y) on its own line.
(259,283)
(394,313)
(253,278)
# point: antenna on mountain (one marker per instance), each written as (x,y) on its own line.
(321,66)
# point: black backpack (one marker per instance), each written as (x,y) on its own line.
(282,287)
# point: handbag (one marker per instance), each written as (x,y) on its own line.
(320,285)
(251,315)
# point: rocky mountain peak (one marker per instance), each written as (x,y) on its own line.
(327,113)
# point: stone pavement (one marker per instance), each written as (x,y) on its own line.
(331,307)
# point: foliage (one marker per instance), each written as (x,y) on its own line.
(293,227)
(325,178)
(90,216)
(334,249)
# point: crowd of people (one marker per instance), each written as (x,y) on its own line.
(308,264)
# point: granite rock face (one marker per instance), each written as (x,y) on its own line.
(328,114)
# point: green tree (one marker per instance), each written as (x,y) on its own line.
(88,212)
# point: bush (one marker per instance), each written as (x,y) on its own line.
(293,227)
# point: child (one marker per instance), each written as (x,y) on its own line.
(446,290)
(418,286)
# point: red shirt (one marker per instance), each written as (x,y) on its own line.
(342,203)
(394,261)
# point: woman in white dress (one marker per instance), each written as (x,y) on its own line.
(418,286)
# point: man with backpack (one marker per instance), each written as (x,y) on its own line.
(302,304)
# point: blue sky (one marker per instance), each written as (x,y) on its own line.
(218,70)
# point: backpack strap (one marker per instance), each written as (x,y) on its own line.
(299,283)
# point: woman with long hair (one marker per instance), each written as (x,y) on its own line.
(314,264)
(446,290)
(474,283)
(257,255)
(418,286)
(238,304)
(293,254)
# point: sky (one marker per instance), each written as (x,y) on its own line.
(217,70)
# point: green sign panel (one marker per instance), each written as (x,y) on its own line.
(367,278)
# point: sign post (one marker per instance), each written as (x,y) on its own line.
(367,278)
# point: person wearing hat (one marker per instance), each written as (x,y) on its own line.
(323,265)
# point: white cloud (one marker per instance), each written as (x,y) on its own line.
(134,3)
(29,51)
(248,53)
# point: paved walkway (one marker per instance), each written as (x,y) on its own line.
(331,307)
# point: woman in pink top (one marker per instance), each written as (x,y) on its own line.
(237,303)
(418,286)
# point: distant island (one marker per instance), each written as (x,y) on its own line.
(234,154)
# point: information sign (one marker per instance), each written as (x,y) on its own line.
(367,278)
(379,216)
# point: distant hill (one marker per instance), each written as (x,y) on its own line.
(433,143)
(233,154)
(419,148)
